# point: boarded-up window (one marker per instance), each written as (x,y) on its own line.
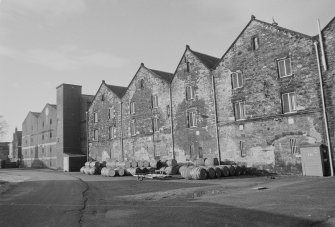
(237,80)
(191,119)
(156,124)
(95,135)
(132,107)
(112,132)
(95,117)
(168,112)
(284,67)
(289,102)
(132,127)
(239,108)
(154,101)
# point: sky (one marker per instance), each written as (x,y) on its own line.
(44,43)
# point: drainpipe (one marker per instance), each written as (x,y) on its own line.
(324,111)
(87,151)
(324,63)
(122,155)
(172,134)
(216,121)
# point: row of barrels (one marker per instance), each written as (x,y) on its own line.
(132,164)
(90,170)
(211,172)
(112,172)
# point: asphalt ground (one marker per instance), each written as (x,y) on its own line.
(50,198)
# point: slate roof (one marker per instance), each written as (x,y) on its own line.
(164,75)
(118,90)
(208,61)
(36,114)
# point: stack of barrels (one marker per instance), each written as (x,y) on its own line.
(209,168)
(91,168)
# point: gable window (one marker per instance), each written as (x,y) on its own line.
(289,102)
(132,107)
(255,43)
(239,109)
(187,65)
(189,92)
(142,83)
(237,80)
(132,127)
(156,124)
(112,132)
(154,101)
(102,97)
(50,121)
(95,117)
(95,135)
(50,134)
(191,119)
(284,67)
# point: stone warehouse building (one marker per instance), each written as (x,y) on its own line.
(259,105)
(57,134)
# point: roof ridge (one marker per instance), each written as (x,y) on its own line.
(208,60)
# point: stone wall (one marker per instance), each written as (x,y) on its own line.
(267,138)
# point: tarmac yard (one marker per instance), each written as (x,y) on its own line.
(50,198)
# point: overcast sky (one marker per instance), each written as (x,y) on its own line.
(44,43)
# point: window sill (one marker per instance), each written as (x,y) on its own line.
(236,88)
(281,77)
(241,119)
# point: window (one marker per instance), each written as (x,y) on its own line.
(154,101)
(191,119)
(132,107)
(42,136)
(43,124)
(50,121)
(289,102)
(95,135)
(95,117)
(293,146)
(242,149)
(132,128)
(255,43)
(112,132)
(239,108)
(109,113)
(168,110)
(237,80)
(102,97)
(187,65)
(156,124)
(284,67)
(189,92)
(50,134)
(142,83)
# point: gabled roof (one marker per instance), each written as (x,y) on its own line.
(118,90)
(36,114)
(274,25)
(207,60)
(329,23)
(164,75)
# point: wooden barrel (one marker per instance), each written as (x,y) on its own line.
(171,162)
(199,173)
(171,170)
(119,171)
(218,172)
(87,164)
(238,170)
(199,162)
(127,164)
(140,163)
(103,164)
(133,171)
(186,173)
(210,172)
(211,162)
(82,169)
(224,170)
(144,169)
(110,172)
(231,171)
(91,171)
(243,170)
(133,164)
(103,171)
(86,170)
(120,164)
(162,169)
(146,163)
(111,164)
(151,169)
(181,169)
(95,164)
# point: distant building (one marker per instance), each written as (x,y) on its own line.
(53,137)
(15,153)
(4,151)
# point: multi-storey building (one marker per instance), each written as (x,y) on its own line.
(15,152)
(56,136)
(104,114)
